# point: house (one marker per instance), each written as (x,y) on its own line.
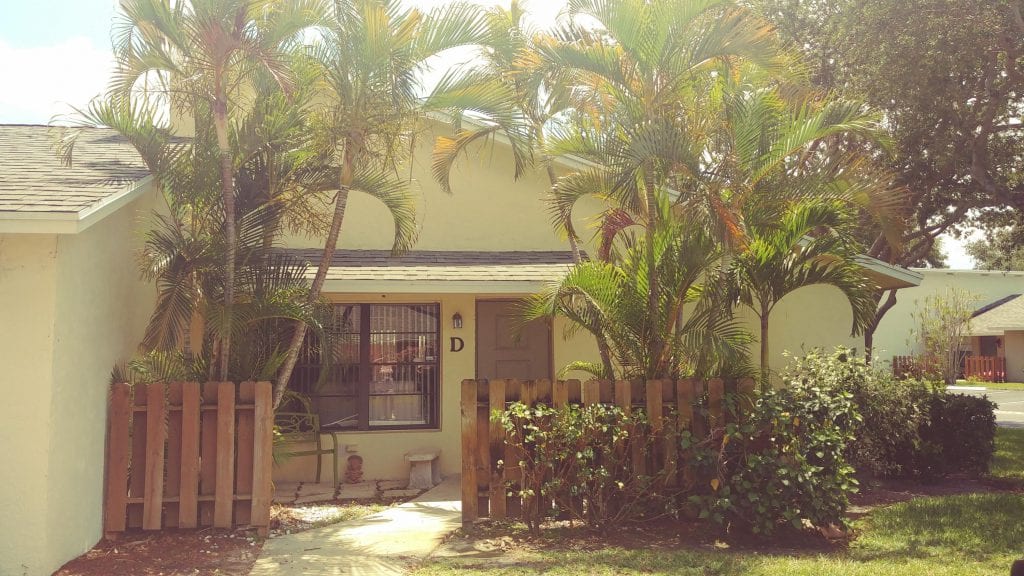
(410,328)
(71,305)
(417,325)
(996,329)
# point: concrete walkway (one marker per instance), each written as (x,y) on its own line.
(382,544)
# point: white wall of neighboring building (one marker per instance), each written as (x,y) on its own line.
(893,337)
(71,306)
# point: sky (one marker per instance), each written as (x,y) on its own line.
(55,55)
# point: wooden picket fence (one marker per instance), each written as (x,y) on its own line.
(985,368)
(185,455)
(697,404)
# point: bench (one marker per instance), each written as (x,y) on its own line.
(304,428)
(424,470)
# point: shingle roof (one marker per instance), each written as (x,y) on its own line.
(1000,316)
(32,178)
(426,265)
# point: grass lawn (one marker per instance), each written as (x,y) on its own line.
(1009,458)
(961,535)
(993,385)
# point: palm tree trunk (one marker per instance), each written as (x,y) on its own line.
(765,369)
(220,120)
(869,332)
(653,295)
(330,245)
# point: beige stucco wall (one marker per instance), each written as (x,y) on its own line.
(71,306)
(893,336)
(487,210)
(28,271)
(1014,346)
(383,451)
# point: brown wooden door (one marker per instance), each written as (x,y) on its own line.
(500,354)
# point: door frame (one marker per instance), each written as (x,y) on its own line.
(476,336)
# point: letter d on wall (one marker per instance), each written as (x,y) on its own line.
(457,344)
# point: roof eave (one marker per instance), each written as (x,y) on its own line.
(71,222)
(891,277)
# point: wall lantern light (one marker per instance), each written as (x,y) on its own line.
(457,321)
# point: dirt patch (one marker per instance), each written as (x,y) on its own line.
(170,553)
(507,543)
(209,552)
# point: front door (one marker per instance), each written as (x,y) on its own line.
(504,353)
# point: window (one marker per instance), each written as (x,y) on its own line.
(383,369)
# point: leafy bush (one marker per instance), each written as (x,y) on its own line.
(580,460)
(959,436)
(785,465)
(886,440)
(907,428)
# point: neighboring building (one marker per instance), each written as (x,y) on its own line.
(412,328)
(71,305)
(997,329)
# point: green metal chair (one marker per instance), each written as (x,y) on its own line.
(302,428)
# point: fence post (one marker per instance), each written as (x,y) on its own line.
(470,504)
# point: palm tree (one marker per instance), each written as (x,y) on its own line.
(638,71)
(608,298)
(810,243)
(202,56)
(370,56)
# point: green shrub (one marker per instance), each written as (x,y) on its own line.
(886,440)
(785,465)
(578,461)
(907,428)
(959,436)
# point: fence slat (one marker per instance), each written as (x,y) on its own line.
(591,392)
(716,396)
(137,470)
(511,473)
(262,457)
(115,514)
(655,413)
(156,435)
(207,452)
(497,508)
(189,485)
(223,503)
(469,452)
(244,457)
(623,395)
(559,393)
(172,480)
